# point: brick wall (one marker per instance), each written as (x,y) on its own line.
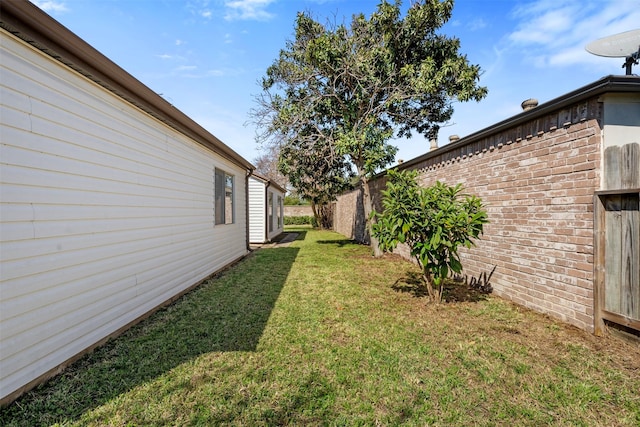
(348,212)
(298,210)
(537,179)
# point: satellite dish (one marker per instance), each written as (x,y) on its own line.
(622,45)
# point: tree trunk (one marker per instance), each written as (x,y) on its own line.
(315,214)
(435,293)
(367,203)
(326,216)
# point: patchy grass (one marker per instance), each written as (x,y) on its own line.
(321,333)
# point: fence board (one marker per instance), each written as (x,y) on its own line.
(630,166)
(612,249)
(611,169)
(630,259)
(599,270)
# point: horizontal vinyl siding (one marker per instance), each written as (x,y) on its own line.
(105,213)
(276,228)
(257,208)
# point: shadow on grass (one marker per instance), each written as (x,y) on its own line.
(227,313)
(412,284)
(454,291)
(302,234)
(290,235)
(338,242)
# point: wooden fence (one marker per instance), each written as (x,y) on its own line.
(617,240)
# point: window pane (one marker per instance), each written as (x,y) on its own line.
(219,200)
(270,209)
(228,199)
(223,197)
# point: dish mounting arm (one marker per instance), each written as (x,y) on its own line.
(630,61)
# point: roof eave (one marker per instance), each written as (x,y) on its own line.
(268,181)
(27,22)
(608,84)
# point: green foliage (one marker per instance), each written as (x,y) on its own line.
(356,85)
(292,200)
(314,170)
(433,221)
(300,220)
(341,92)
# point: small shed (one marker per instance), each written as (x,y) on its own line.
(112,201)
(266,209)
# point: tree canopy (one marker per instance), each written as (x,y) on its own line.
(267,166)
(355,87)
(317,174)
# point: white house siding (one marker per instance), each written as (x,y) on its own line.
(257,203)
(261,191)
(106,213)
(276,207)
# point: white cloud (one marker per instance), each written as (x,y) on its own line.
(477,24)
(186,68)
(165,56)
(51,6)
(495,64)
(191,72)
(200,8)
(226,72)
(180,42)
(555,32)
(248,10)
(545,28)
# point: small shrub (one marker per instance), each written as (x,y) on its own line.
(295,201)
(299,220)
(432,221)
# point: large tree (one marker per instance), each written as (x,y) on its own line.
(267,165)
(356,87)
(317,173)
(309,171)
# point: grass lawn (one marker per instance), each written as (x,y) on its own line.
(321,333)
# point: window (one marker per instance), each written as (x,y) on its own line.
(280,209)
(270,209)
(223,203)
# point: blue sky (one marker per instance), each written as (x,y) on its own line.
(206,57)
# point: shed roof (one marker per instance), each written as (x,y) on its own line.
(26,21)
(269,181)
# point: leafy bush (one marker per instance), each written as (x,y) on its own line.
(295,201)
(432,221)
(300,220)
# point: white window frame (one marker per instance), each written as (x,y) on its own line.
(223,196)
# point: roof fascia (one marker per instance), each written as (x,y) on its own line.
(268,181)
(608,84)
